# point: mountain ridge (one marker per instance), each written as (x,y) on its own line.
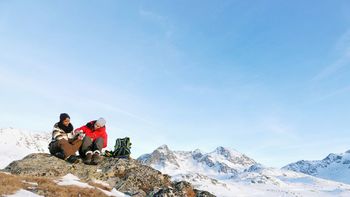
(225,172)
(334,167)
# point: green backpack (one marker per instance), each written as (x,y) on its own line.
(122,148)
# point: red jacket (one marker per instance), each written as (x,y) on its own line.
(88,129)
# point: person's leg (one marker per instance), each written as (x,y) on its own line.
(56,150)
(98,145)
(86,150)
(53,148)
(97,148)
(86,146)
(76,144)
(68,149)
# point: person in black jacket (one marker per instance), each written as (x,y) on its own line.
(65,142)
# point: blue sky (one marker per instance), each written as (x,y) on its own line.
(270,79)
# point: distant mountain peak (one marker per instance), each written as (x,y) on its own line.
(333,167)
(221,161)
(221,149)
(163,148)
(227,152)
(197,151)
(226,171)
(160,156)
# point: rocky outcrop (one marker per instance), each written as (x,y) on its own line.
(182,188)
(126,175)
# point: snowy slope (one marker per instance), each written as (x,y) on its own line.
(334,167)
(16,144)
(226,172)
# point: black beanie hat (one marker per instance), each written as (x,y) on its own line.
(64,116)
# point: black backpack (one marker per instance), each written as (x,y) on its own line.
(122,148)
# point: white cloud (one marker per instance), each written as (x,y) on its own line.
(275,125)
(160,20)
(334,93)
(152,15)
(343,48)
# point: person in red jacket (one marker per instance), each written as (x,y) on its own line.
(95,139)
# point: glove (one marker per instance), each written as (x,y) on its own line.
(81,135)
(76,132)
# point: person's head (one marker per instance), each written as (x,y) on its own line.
(64,119)
(101,122)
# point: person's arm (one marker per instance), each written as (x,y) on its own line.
(87,132)
(80,129)
(57,133)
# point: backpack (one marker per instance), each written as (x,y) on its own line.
(122,148)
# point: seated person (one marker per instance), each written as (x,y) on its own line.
(64,144)
(95,139)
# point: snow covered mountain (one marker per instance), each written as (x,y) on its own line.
(221,163)
(334,167)
(16,144)
(226,172)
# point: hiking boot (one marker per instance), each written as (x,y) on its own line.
(95,159)
(87,159)
(72,159)
(59,155)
